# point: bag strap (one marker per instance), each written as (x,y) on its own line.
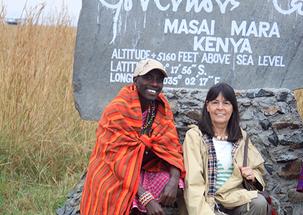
(245,151)
(257,186)
(270,209)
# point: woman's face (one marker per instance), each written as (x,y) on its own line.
(220,111)
(150,85)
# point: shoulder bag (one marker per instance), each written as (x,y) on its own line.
(249,185)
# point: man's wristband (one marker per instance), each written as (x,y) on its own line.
(145,198)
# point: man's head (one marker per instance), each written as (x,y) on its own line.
(148,78)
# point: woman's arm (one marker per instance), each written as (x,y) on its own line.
(194,192)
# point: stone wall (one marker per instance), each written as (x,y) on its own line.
(275,127)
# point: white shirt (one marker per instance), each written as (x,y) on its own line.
(224,161)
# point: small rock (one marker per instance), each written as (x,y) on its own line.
(265,124)
(291,170)
(273,138)
(270,111)
(295,197)
(264,93)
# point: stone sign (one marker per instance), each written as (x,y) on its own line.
(248,44)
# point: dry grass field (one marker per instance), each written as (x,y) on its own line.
(44,145)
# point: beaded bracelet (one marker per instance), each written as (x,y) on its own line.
(145,198)
(143,195)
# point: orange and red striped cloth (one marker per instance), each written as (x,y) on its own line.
(114,167)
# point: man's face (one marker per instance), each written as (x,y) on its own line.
(150,85)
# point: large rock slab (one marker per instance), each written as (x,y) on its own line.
(249,44)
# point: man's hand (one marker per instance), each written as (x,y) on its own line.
(154,208)
(169,193)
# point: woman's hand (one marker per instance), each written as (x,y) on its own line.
(247,173)
(154,208)
(169,193)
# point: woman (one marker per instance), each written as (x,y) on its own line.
(213,155)
(137,160)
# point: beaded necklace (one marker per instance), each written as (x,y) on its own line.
(151,113)
(218,137)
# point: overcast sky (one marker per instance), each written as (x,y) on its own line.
(14,7)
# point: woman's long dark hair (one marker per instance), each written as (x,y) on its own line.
(233,127)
